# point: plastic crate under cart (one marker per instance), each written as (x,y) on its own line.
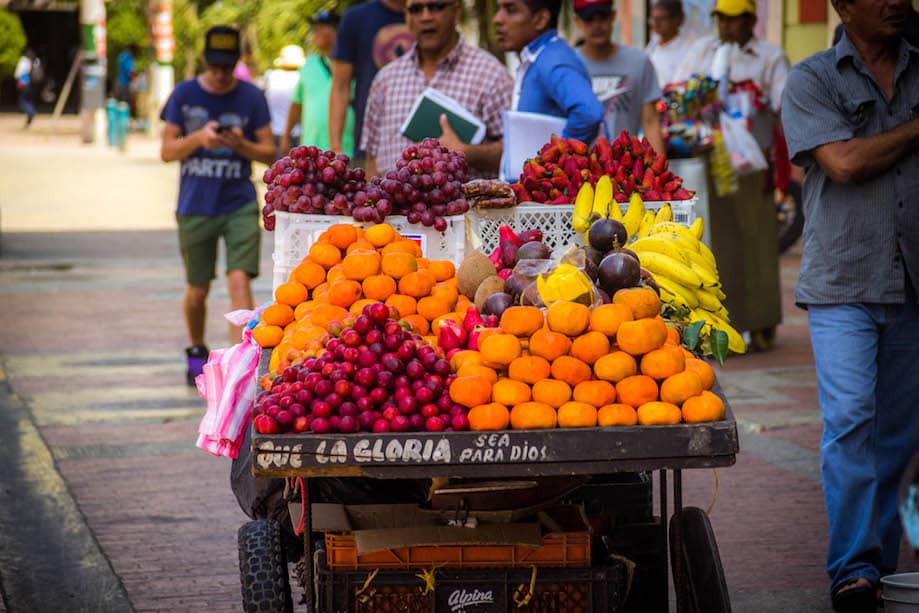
(294,233)
(553,219)
(494,590)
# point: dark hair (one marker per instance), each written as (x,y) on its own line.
(673,7)
(553,6)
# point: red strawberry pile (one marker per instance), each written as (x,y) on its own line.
(562,166)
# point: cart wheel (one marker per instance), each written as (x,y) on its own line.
(263,568)
(702,568)
(763,340)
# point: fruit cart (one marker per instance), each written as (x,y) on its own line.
(687,537)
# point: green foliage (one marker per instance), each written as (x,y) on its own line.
(284,22)
(12,42)
(125,25)
(189,37)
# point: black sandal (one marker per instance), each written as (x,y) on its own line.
(858,599)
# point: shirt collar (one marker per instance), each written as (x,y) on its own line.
(531,51)
(449,61)
(845,49)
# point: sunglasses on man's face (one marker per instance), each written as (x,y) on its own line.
(417,8)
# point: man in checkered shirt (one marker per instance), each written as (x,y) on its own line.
(440,59)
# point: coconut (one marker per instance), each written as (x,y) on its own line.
(491,285)
(475,268)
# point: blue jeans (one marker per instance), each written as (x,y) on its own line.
(25,101)
(866,357)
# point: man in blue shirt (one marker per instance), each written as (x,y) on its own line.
(551,79)
(126,74)
(215,125)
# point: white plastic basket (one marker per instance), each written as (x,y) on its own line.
(553,219)
(294,233)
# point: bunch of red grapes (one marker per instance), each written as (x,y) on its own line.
(373,377)
(311,181)
(425,186)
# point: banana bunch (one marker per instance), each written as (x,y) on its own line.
(594,203)
(686,272)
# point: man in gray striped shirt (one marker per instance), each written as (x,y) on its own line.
(850,117)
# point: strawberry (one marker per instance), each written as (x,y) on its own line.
(652,195)
(648,177)
(638,169)
(551,155)
(638,150)
(560,200)
(626,160)
(659,164)
(538,196)
(682,194)
(672,185)
(620,197)
(667,196)
(577,146)
(560,182)
(571,166)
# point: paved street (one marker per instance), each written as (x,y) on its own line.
(110,507)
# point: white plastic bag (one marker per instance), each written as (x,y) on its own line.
(746,156)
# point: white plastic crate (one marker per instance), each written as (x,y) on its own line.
(553,219)
(294,233)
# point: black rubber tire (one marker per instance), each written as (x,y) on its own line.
(708,590)
(263,568)
(791,221)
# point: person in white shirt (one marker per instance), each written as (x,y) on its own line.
(668,45)
(750,58)
(280,83)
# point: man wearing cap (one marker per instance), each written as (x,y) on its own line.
(622,77)
(280,83)
(371,35)
(754,60)
(440,59)
(851,115)
(310,102)
(551,79)
(669,44)
(215,125)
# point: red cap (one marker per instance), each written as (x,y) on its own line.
(588,8)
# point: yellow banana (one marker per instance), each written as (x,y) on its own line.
(659,263)
(665,213)
(706,253)
(697,227)
(697,260)
(709,279)
(583,203)
(685,296)
(735,340)
(646,222)
(658,245)
(603,196)
(708,301)
(673,298)
(675,228)
(681,242)
(634,214)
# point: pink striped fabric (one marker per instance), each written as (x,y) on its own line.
(229,386)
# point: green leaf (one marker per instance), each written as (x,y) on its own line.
(719,344)
(691,334)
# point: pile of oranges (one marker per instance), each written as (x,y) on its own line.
(347,268)
(614,365)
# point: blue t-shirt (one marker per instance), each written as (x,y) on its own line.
(369,37)
(557,83)
(215,182)
(125,68)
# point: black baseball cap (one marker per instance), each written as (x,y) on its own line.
(221,46)
(329,18)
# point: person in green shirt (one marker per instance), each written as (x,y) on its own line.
(310,103)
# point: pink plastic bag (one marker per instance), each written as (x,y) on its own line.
(228,383)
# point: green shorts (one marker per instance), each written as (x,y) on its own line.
(199,234)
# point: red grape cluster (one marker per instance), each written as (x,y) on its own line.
(373,377)
(425,186)
(311,181)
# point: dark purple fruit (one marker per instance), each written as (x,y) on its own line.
(594,255)
(508,253)
(514,285)
(534,250)
(591,269)
(530,296)
(606,235)
(602,297)
(497,303)
(631,253)
(619,270)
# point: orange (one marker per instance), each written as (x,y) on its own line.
(326,255)
(548,344)
(616,415)
(615,366)
(529,369)
(704,370)
(442,269)
(704,407)
(607,318)
(304,309)
(673,336)
(359,245)
(406,305)
(341,235)
(277,315)
(659,414)
(466,356)
(533,416)
(291,293)
(309,273)
(491,416)
(577,415)
(643,301)
(568,318)
(378,287)
(522,320)
(636,390)
(447,292)
(510,393)
(499,350)
(662,363)
(590,347)
(398,264)
(418,323)
(335,273)
(405,246)
(478,370)
(595,393)
(641,335)
(266,335)
(326,313)
(380,235)
(470,391)
(306,334)
(423,263)
(416,284)
(358,265)
(431,307)
(552,392)
(570,370)
(677,388)
(343,293)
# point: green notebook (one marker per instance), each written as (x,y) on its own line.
(424,119)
